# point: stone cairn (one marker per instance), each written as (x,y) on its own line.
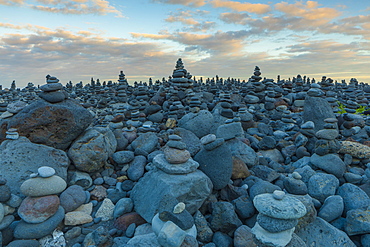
(181,78)
(277,218)
(41,208)
(52,91)
(121,88)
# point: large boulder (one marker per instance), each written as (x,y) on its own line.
(199,123)
(19,158)
(321,233)
(91,150)
(191,189)
(54,125)
(317,109)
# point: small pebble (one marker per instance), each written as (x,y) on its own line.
(278,194)
(46,171)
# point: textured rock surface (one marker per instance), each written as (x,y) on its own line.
(55,125)
(192,189)
(355,149)
(20,158)
(91,151)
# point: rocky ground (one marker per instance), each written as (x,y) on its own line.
(185,162)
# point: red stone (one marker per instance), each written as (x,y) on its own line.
(125,220)
(38,209)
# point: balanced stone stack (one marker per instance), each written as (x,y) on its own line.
(53,91)
(277,218)
(12,134)
(181,78)
(40,211)
(121,88)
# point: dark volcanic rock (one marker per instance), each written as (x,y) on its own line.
(55,125)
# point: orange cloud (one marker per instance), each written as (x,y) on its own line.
(11,2)
(150,36)
(257,8)
(195,3)
(310,11)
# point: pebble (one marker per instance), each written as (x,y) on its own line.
(38,209)
(43,186)
(46,171)
(73,197)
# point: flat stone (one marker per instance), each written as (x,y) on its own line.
(75,218)
(321,186)
(25,230)
(105,210)
(286,208)
(328,134)
(275,225)
(208,139)
(38,209)
(332,208)
(330,163)
(176,156)
(353,197)
(43,186)
(46,171)
(189,166)
(280,239)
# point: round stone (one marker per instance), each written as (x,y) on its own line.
(286,208)
(328,134)
(38,209)
(176,156)
(43,186)
(296,175)
(208,139)
(278,194)
(161,163)
(46,171)
(179,208)
(275,225)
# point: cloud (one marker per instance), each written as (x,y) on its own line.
(190,23)
(242,7)
(75,7)
(310,11)
(193,3)
(235,18)
(11,2)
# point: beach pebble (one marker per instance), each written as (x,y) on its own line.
(38,209)
(73,197)
(46,171)
(43,186)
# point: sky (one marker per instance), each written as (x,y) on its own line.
(76,40)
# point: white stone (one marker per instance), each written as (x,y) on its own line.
(296,175)
(279,239)
(171,235)
(157,225)
(46,171)
(278,194)
(6,114)
(105,212)
(77,218)
(179,208)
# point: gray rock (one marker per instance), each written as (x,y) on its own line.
(24,243)
(358,222)
(55,125)
(144,240)
(316,110)
(330,163)
(171,235)
(6,221)
(230,130)
(82,179)
(275,225)
(242,151)
(244,237)
(321,233)
(353,197)
(322,185)
(25,230)
(73,197)
(222,240)
(204,232)
(332,208)
(365,240)
(137,168)
(267,142)
(190,139)
(123,157)
(91,151)
(99,237)
(262,187)
(224,218)
(38,186)
(273,154)
(192,189)
(20,158)
(217,164)
(295,186)
(199,123)
(244,207)
(124,205)
(146,142)
(265,173)
(5,193)
(46,171)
